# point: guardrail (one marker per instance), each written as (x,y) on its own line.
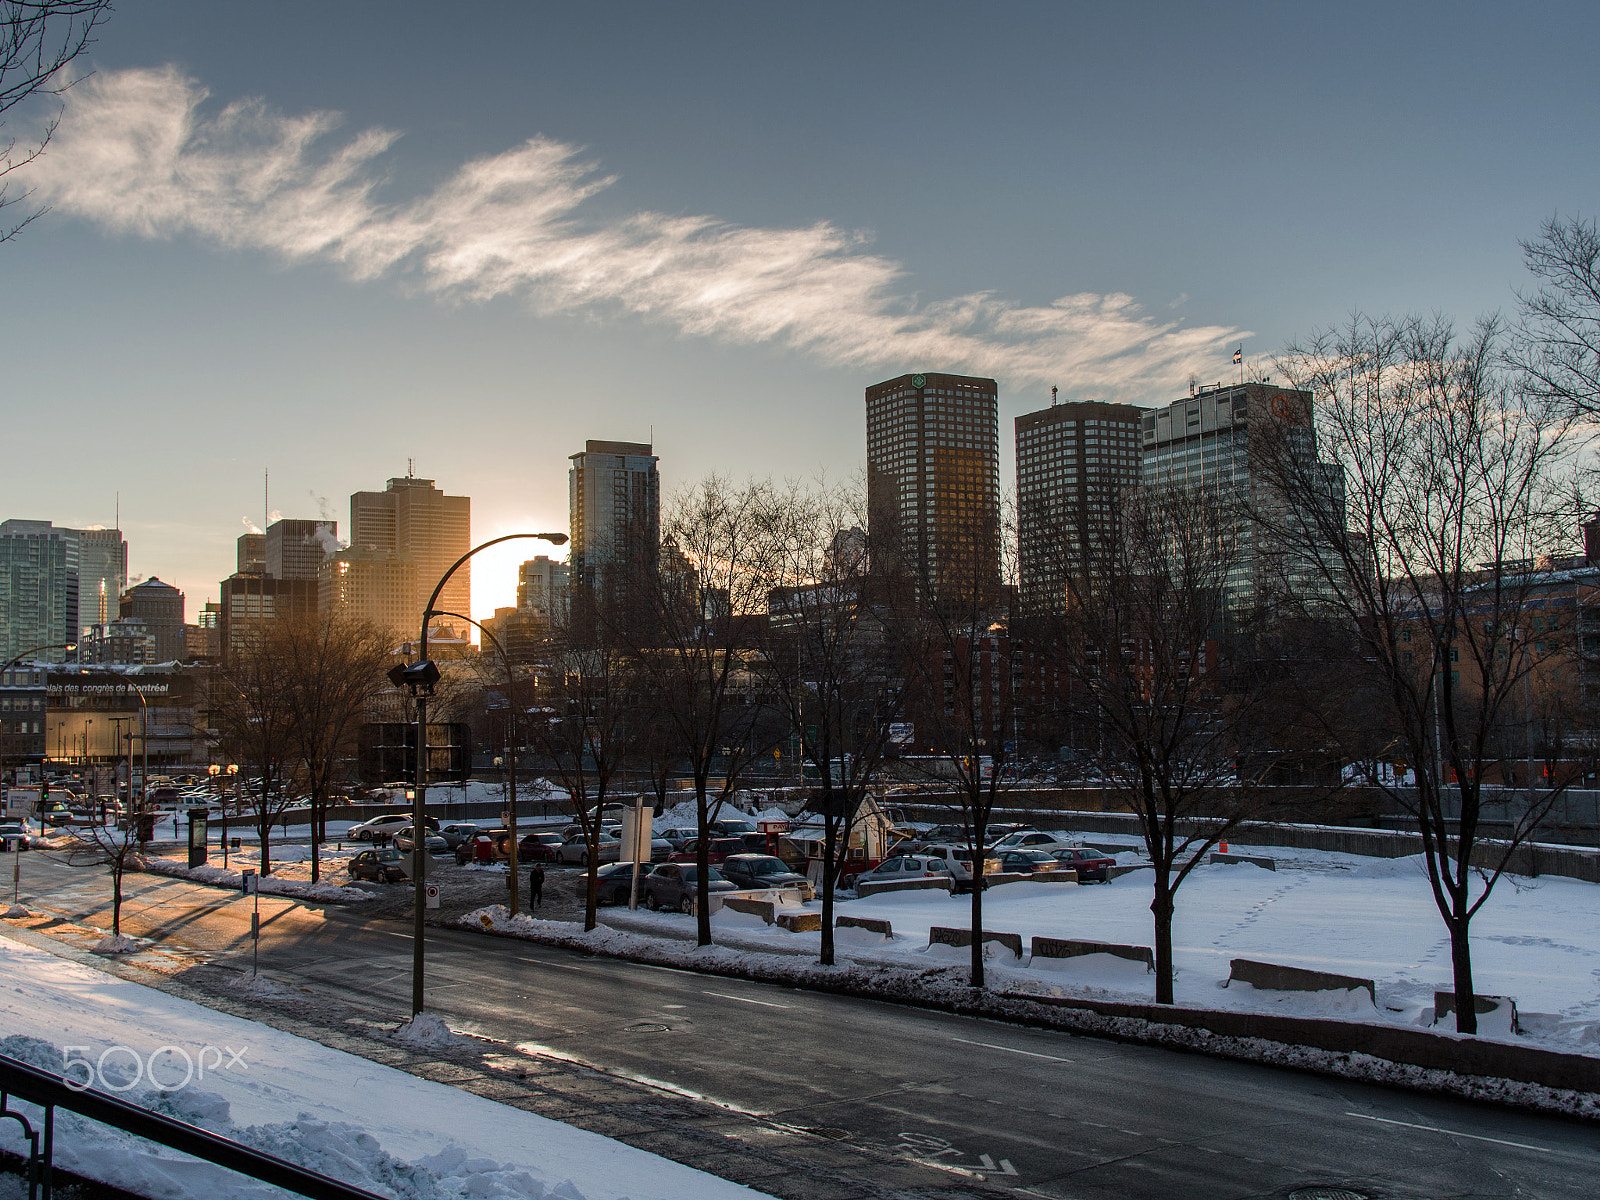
(20,1081)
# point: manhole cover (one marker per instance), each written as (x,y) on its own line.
(1325,1193)
(648,1027)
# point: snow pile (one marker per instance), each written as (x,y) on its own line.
(369,1125)
(16,912)
(425,1031)
(270,885)
(114,944)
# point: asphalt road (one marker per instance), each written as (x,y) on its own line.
(1049,1114)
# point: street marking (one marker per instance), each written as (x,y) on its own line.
(1010,1049)
(746,1000)
(1477,1137)
(1005,1167)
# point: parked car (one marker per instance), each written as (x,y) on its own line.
(958,861)
(457,832)
(378,829)
(614,881)
(904,866)
(1029,838)
(432,843)
(730,826)
(1092,865)
(576,831)
(679,836)
(946,835)
(720,849)
(538,847)
(380,866)
(764,871)
(13,831)
(55,812)
(992,833)
(576,848)
(674,885)
(1026,862)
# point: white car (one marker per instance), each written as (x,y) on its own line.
(906,866)
(379,828)
(576,848)
(957,861)
(1026,839)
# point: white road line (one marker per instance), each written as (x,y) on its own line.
(746,1000)
(1009,1049)
(1452,1133)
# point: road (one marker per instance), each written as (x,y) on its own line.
(1046,1113)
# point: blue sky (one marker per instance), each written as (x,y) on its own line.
(526,225)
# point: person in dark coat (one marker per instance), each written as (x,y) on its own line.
(536,886)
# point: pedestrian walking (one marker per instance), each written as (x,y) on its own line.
(536,886)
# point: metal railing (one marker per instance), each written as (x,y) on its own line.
(20,1081)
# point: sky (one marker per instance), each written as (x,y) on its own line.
(326,241)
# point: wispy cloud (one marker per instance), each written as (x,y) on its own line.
(142,152)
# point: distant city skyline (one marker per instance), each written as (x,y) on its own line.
(326,242)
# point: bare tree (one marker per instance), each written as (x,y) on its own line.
(331,668)
(38,39)
(1157,658)
(694,645)
(1557,345)
(831,662)
(1451,480)
(114,843)
(251,711)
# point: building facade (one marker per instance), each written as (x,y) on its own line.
(1072,461)
(295,549)
(159,608)
(102,575)
(614,497)
(38,589)
(933,481)
(378,587)
(419,533)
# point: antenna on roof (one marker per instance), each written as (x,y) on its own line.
(266,505)
(411,467)
(1052,395)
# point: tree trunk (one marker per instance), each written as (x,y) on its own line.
(1461,963)
(977,918)
(116,898)
(1162,907)
(830,835)
(316,859)
(702,868)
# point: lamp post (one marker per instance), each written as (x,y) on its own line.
(420,677)
(511,757)
(3,670)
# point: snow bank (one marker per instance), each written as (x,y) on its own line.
(270,885)
(366,1124)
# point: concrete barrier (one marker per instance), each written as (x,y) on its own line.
(1257,860)
(941,935)
(765,909)
(1064,876)
(1501,1011)
(1277,978)
(1114,872)
(874,924)
(800,922)
(873,887)
(1047,947)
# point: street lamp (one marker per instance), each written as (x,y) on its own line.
(420,677)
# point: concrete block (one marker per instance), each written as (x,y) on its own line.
(1496,1014)
(1113,872)
(765,909)
(875,924)
(800,922)
(1047,947)
(1260,861)
(1294,979)
(1066,876)
(935,883)
(941,935)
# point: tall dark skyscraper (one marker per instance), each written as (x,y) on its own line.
(933,480)
(1072,459)
(615,496)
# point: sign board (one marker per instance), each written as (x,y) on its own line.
(249,883)
(431,896)
(21,803)
(901,733)
(636,834)
(773,826)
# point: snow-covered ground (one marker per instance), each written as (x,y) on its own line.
(1537,940)
(370,1125)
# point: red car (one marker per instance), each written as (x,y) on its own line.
(1090,864)
(719,850)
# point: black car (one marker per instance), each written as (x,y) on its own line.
(673,885)
(613,883)
(380,866)
(731,827)
(762,871)
(1026,862)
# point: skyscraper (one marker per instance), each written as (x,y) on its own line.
(614,493)
(933,481)
(1204,440)
(294,549)
(424,531)
(1072,459)
(159,607)
(102,574)
(38,588)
